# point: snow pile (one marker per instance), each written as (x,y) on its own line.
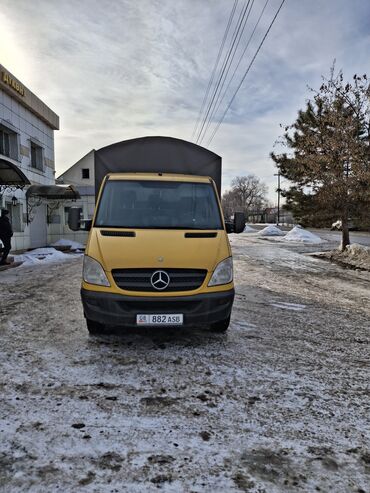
(271,230)
(301,235)
(73,245)
(355,256)
(41,256)
(249,229)
(358,250)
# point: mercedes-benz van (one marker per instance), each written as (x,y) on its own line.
(157,253)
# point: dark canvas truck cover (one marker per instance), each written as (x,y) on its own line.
(157,155)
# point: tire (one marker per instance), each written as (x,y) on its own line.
(221,326)
(95,328)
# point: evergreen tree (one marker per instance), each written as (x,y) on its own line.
(328,162)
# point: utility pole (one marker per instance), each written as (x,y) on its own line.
(278,191)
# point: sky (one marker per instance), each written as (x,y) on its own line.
(115,70)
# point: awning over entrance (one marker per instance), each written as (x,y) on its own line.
(53,192)
(11,175)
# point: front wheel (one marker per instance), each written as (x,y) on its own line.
(221,326)
(94,328)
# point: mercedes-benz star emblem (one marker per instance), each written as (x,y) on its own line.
(160,280)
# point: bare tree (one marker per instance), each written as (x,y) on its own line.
(247,194)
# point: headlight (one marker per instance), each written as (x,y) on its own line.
(93,272)
(223,273)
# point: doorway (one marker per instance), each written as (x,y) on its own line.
(38,228)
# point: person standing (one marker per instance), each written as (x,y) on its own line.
(6,232)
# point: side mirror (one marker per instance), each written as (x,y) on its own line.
(239,222)
(74,218)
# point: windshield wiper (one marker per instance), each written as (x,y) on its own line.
(185,228)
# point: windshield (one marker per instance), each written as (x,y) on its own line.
(158,204)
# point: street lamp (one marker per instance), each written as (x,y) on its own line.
(14,201)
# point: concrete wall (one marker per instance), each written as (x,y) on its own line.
(59,228)
(18,92)
(86,187)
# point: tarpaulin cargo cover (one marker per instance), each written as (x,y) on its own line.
(157,155)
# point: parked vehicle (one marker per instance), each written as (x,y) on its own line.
(158,252)
(337,226)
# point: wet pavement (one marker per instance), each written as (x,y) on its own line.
(280,403)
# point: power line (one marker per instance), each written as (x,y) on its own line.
(246,72)
(210,82)
(216,103)
(227,57)
(235,37)
(236,68)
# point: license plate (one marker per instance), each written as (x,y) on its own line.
(160,319)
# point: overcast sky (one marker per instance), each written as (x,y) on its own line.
(114,70)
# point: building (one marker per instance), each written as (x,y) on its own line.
(81,176)
(27,164)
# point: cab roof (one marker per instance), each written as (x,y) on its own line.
(159,177)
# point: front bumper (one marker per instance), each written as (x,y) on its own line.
(115,309)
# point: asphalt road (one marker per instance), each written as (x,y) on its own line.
(361,237)
(279,404)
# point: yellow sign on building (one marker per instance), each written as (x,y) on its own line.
(12,83)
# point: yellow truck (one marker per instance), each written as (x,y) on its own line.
(157,252)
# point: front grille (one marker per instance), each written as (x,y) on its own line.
(139,279)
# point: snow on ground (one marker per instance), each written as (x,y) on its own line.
(289,306)
(358,250)
(40,256)
(355,256)
(274,257)
(358,255)
(271,230)
(302,235)
(249,229)
(279,404)
(74,245)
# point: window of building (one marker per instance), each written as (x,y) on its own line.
(36,156)
(8,142)
(85,173)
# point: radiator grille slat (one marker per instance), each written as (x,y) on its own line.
(139,279)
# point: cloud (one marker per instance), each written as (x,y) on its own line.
(123,69)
